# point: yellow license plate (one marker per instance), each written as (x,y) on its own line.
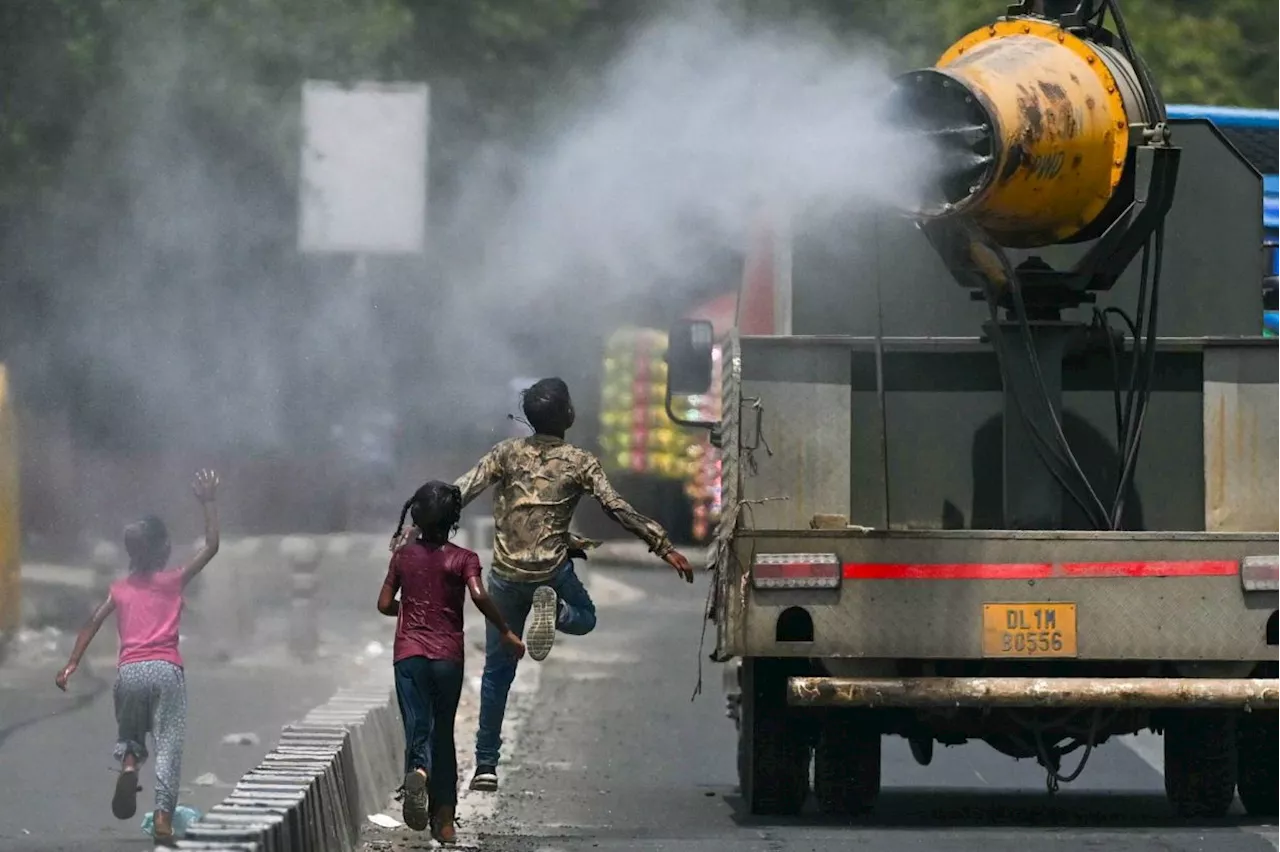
(1029,630)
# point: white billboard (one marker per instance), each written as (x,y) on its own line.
(363,187)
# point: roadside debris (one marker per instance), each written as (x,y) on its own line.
(183,816)
(208,780)
(384,821)
(246,739)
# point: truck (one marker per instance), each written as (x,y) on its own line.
(1036,509)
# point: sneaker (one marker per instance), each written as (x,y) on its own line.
(485,779)
(541,634)
(124,804)
(415,801)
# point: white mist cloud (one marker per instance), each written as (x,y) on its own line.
(701,125)
(160,250)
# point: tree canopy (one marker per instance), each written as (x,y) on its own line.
(490,61)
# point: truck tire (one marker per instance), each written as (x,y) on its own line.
(846,765)
(1200,762)
(1256,735)
(773,751)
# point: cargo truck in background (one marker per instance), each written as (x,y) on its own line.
(1037,509)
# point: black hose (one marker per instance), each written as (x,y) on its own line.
(1064,445)
(1054,462)
(1102,318)
(1136,326)
(1113,357)
(1155,109)
(1134,437)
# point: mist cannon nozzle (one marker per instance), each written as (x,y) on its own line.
(950,118)
(1032,126)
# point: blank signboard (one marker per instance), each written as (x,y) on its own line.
(363,186)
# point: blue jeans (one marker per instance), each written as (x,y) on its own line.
(577,617)
(428,692)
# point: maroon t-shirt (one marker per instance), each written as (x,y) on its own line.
(432,581)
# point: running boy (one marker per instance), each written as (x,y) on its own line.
(150,690)
(540,480)
(431,575)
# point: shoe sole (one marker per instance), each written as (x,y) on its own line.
(542,629)
(485,783)
(415,801)
(124,804)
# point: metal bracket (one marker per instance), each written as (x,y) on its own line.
(748,452)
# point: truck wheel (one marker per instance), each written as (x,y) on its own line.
(1256,734)
(773,751)
(846,765)
(1200,762)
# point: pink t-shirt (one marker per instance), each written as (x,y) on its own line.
(148,609)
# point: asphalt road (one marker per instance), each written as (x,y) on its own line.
(613,756)
(55,748)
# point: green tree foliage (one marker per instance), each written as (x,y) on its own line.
(1200,51)
(491,62)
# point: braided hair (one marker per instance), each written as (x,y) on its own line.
(435,509)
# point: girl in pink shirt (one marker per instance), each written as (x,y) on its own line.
(150,691)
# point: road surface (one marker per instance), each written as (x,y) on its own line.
(55,748)
(611,756)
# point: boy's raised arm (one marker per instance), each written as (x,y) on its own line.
(486,472)
(206,490)
(624,514)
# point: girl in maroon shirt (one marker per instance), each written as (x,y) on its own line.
(433,577)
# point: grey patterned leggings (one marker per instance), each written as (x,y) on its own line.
(151,697)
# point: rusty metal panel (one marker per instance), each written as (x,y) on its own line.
(727,604)
(1240,438)
(800,467)
(1239,693)
(1119,618)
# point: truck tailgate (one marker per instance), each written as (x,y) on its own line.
(1014,595)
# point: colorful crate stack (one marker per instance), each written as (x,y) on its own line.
(704,487)
(637,436)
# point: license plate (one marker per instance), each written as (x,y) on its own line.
(1029,630)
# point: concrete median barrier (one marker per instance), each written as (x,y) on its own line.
(312,791)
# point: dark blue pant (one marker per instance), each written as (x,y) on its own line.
(428,693)
(577,617)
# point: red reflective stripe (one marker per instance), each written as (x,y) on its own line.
(951,571)
(1037,570)
(795,570)
(1199,568)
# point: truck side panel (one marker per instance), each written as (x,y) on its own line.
(1240,437)
(801,450)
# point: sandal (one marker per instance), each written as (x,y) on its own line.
(124,804)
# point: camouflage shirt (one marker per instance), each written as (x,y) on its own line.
(540,480)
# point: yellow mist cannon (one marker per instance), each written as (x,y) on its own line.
(1045,131)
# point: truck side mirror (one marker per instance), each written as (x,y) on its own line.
(689,364)
(689,346)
